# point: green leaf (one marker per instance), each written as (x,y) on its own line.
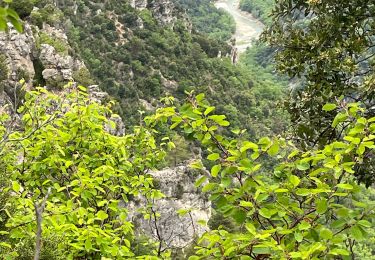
(215,170)
(208,110)
(274,149)
(209,187)
(264,142)
(298,236)
(365,223)
(197,165)
(200,181)
(345,186)
(294,180)
(303,166)
(339,251)
(200,97)
(239,215)
(213,156)
(3,244)
(321,206)
(183,212)
(281,190)
(303,192)
(264,212)
(329,107)
(326,233)
(304,225)
(248,145)
(246,204)
(88,245)
(339,118)
(295,254)
(356,233)
(102,215)
(251,228)
(16,186)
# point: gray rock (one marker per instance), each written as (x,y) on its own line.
(138,4)
(176,231)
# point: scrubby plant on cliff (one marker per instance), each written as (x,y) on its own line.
(67,177)
(306,208)
(3,68)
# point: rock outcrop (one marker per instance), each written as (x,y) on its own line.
(175,230)
(138,4)
(163,11)
(23,51)
(18,50)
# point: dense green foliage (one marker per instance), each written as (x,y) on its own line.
(329,46)
(207,19)
(146,60)
(306,208)
(152,60)
(261,9)
(65,178)
(64,158)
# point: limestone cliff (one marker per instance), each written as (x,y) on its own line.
(40,57)
(173,230)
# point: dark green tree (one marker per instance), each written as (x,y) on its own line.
(328,46)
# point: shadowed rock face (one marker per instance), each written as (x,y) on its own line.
(175,231)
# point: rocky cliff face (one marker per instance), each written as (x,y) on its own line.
(18,51)
(172,229)
(163,10)
(34,56)
(138,4)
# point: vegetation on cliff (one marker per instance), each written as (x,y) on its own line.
(67,177)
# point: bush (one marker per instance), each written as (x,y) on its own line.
(59,45)
(4,71)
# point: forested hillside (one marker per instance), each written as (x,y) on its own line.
(132,130)
(207,19)
(137,58)
(261,9)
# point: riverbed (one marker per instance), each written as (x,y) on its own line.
(248,28)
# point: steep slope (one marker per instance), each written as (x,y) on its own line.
(140,51)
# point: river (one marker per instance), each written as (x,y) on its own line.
(248,28)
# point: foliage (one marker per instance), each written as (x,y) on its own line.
(22,7)
(328,45)
(59,45)
(64,156)
(83,77)
(308,209)
(47,13)
(3,68)
(140,66)
(9,15)
(207,19)
(261,9)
